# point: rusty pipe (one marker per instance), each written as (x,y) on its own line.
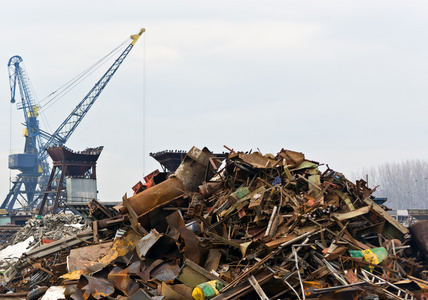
(154,196)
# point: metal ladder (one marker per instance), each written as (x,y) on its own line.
(376,280)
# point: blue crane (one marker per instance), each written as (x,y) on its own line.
(29,185)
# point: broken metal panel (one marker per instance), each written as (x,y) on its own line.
(369,229)
(73,275)
(175,220)
(147,242)
(166,272)
(121,280)
(345,198)
(292,158)
(176,291)
(257,160)
(100,211)
(195,168)
(84,257)
(121,246)
(155,218)
(305,165)
(141,295)
(95,287)
(146,270)
(213,260)
(191,274)
(400,229)
(192,247)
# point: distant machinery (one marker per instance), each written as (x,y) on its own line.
(170,159)
(29,185)
(78,171)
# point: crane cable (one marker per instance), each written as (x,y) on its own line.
(10,145)
(144,107)
(34,97)
(56,95)
(71,84)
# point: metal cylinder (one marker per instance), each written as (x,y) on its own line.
(419,233)
(208,188)
(156,195)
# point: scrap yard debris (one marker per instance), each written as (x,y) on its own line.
(251,226)
(49,228)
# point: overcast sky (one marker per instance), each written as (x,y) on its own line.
(344,82)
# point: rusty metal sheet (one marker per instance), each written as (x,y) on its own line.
(398,229)
(195,168)
(84,257)
(166,272)
(121,280)
(59,269)
(147,269)
(191,274)
(155,218)
(144,245)
(95,287)
(208,188)
(74,275)
(175,220)
(134,268)
(292,158)
(257,160)
(121,246)
(141,295)
(213,259)
(192,249)
(352,214)
(127,259)
(155,245)
(176,291)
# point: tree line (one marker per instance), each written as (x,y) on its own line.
(405,184)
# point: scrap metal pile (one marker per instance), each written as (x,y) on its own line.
(253,226)
(48,228)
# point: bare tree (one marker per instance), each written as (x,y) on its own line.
(405,184)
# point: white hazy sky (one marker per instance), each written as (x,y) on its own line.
(342,81)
